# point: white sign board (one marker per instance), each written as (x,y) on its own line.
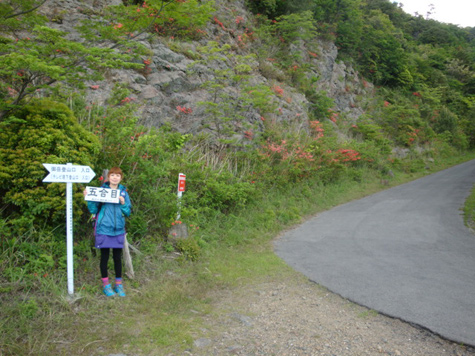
(67,173)
(103,195)
(181,189)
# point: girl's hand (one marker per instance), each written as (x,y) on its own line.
(122,200)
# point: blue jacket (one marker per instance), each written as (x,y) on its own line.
(110,218)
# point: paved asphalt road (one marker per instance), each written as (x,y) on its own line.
(404,252)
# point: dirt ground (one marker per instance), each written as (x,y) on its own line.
(297,317)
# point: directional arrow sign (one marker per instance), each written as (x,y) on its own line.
(68,173)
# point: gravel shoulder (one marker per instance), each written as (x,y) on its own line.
(294,316)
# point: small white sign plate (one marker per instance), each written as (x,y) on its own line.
(103,195)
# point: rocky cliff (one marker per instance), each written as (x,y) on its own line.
(170,88)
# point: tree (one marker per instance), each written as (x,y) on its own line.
(32,65)
(19,15)
(382,53)
(146,19)
(297,26)
(390,8)
(33,60)
(347,18)
(276,8)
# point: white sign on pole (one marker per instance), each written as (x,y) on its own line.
(64,173)
(181,189)
(69,174)
(181,182)
(103,195)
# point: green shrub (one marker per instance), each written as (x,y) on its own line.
(320,104)
(403,123)
(274,8)
(28,309)
(220,191)
(182,19)
(295,26)
(41,132)
(444,120)
(189,248)
(149,158)
(370,131)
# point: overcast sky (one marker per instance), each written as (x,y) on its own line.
(458,12)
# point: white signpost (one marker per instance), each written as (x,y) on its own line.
(69,174)
(181,189)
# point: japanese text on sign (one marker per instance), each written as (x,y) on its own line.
(60,173)
(103,195)
(181,182)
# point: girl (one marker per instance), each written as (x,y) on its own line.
(110,231)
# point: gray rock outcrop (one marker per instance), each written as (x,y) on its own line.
(168,84)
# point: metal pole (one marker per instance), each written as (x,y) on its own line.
(179,195)
(69,235)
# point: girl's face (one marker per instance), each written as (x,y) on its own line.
(115,178)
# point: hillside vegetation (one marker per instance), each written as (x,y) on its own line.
(260,138)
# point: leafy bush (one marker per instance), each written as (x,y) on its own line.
(183,19)
(275,8)
(344,17)
(372,132)
(279,37)
(189,248)
(295,26)
(320,104)
(224,193)
(444,120)
(227,110)
(148,157)
(41,132)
